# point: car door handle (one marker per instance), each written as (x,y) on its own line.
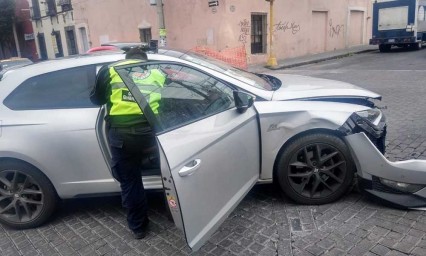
(190,168)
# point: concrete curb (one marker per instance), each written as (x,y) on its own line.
(307,62)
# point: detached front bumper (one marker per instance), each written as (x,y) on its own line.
(373,169)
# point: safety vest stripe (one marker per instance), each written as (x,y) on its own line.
(123,103)
(149,88)
(117,85)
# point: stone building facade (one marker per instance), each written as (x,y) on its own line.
(300,27)
(53,24)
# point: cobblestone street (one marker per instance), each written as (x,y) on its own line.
(266,223)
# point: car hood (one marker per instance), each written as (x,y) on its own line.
(304,87)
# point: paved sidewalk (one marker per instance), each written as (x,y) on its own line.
(310,59)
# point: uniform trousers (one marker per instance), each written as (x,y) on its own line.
(128,147)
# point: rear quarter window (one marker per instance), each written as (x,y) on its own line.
(69,88)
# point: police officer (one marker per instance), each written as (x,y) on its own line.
(129,133)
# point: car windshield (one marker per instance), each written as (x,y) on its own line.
(217,65)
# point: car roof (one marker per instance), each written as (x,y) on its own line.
(101,57)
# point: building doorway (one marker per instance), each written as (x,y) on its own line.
(356,28)
(71,43)
(84,41)
(42,46)
(318,32)
(57,44)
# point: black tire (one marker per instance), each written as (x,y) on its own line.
(309,179)
(417,46)
(28,193)
(385,47)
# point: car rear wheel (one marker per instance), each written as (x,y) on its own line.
(315,169)
(27,198)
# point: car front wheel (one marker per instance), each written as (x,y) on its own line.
(315,169)
(27,198)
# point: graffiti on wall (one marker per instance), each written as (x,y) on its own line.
(287,26)
(335,30)
(244,31)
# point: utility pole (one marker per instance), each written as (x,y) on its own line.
(272,60)
(161,24)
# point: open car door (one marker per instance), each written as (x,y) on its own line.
(208,139)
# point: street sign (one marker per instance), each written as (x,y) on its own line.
(29,36)
(213,3)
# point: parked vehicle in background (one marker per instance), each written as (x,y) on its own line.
(116,46)
(125,45)
(103,48)
(399,23)
(13,63)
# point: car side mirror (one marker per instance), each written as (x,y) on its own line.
(243,101)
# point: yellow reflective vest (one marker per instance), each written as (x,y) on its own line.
(122,107)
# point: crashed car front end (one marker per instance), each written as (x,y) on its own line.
(403,183)
(372,122)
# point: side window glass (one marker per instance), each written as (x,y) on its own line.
(62,89)
(186,95)
(421,14)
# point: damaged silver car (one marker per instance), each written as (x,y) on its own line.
(220,130)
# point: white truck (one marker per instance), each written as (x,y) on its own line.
(399,23)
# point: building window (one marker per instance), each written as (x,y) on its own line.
(36,10)
(145,35)
(51,7)
(258,33)
(65,5)
(71,42)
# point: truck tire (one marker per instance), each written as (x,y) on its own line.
(417,46)
(384,47)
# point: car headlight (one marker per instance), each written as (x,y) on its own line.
(373,116)
(401,186)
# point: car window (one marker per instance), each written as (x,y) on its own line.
(69,88)
(186,96)
(217,65)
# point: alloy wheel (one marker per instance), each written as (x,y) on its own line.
(21,197)
(316,170)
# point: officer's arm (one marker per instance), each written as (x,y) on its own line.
(99,94)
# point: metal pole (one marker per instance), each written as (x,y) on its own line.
(272,61)
(161,24)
